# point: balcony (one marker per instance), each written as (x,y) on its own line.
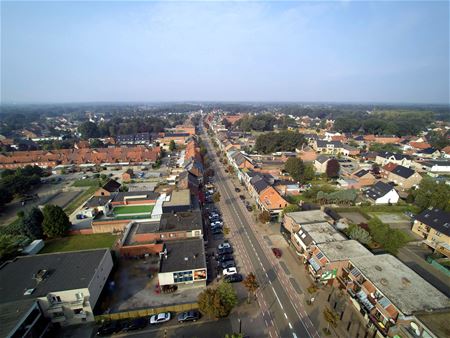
(380,326)
(55,307)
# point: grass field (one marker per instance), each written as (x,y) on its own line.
(80,199)
(88,182)
(79,242)
(133,209)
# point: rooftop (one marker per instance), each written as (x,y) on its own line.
(306,217)
(184,255)
(343,250)
(378,190)
(322,232)
(135,196)
(402,286)
(180,197)
(437,219)
(65,271)
(190,220)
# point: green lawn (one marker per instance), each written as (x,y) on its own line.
(295,199)
(133,209)
(79,242)
(88,182)
(80,199)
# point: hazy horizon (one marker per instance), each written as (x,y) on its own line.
(347,52)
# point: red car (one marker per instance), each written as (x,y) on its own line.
(277,252)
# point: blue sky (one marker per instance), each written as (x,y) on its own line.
(232,51)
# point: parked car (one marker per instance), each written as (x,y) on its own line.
(229,271)
(109,328)
(226,257)
(235,278)
(249,208)
(225,251)
(224,245)
(237,189)
(242,197)
(135,324)
(228,264)
(217,231)
(189,316)
(217,223)
(80,216)
(160,318)
(277,252)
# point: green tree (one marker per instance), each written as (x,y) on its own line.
(32,223)
(56,223)
(378,229)
(251,284)
(432,194)
(291,208)
(359,234)
(295,167)
(331,318)
(394,241)
(264,217)
(217,302)
(88,130)
(172,145)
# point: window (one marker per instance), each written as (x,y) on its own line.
(172,235)
(438,233)
(79,296)
(183,276)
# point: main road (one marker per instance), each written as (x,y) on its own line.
(280,304)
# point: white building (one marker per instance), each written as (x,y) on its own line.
(382,193)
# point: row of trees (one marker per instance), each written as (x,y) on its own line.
(283,141)
(385,123)
(19,182)
(390,239)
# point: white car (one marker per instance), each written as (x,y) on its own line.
(160,318)
(223,246)
(229,271)
(217,223)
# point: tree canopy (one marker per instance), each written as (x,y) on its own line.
(298,170)
(283,141)
(217,302)
(432,194)
(333,168)
(55,223)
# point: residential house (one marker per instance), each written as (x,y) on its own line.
(328,147)
(293,220)
(63,287)
(387,157)
(446,152)
(186,180)
(133,139)
(363,177)
(270,200)
(405,178)
(436,166)
(382,193)
(320,164)
(183,263)
(387,292)
(428,153)
(127,176)
(178,201)
(196,168)
(433,225)
(382,139)
(108,188)
(95,205)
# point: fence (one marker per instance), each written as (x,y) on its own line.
(146,312)
(438,266)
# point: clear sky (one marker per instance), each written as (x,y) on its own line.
(391,51)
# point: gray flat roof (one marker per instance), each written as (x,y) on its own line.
(343,250)
(135,195)
(66,271)
(188,220)
(305,217)
(184,255)
(11,313)
(180,197)
(322,232)
(402,286)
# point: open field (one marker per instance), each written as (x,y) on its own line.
(390,217)
(133,209)
(79,242)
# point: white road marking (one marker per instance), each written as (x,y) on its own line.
(290,325)
(285,315)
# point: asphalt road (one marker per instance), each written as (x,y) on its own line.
(282,317)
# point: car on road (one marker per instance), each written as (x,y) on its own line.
(189,316)
(277,252)
(235,278)
(109,328)
(224,245)
(225,251)
(135,324)
(229,271)
(217,223)
(249,208)
(237,189)
(228,264)
(226,257)
(217,231)
(160,318)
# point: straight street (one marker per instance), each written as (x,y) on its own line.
(280,305)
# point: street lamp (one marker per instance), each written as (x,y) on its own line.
(240,325)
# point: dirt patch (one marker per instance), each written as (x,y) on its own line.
(354,217)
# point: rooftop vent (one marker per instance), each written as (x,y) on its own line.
(339,246)
(406,282)
(384,281)
(186,259)
(379,268)
(28,292)
(41,275)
